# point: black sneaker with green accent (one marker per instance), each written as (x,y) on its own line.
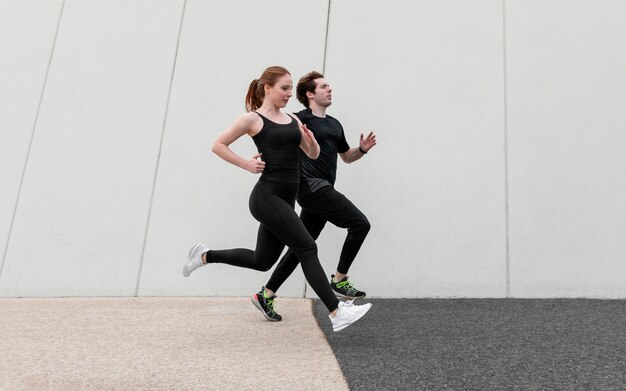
(266,306)
(345,289)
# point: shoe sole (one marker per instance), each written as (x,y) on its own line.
(256,303)
(369,307)
(190,258)
(342,296)
(185,273)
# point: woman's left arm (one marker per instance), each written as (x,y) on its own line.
(308,144)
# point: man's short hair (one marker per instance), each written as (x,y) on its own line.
(307,84)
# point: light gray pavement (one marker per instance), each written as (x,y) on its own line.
(162,344)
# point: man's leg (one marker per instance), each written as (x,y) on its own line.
(329,204)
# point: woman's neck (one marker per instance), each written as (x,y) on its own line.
(268,108)
(273,113)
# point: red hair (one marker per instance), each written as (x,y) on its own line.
(256,93)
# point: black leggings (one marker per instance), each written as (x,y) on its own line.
(272,204)
(326,204)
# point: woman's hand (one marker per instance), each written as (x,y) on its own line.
(255,165)
(308,135)
(312,148)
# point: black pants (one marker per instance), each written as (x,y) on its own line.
(326,204)
(272,204)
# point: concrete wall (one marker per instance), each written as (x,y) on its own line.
(499,170)
(567,142)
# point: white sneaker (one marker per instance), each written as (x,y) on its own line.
(348,313)
(194,259)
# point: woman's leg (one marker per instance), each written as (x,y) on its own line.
(272,205)
(278,216)
(289,261)
(293,233)
(267,251)
(326,204)
(268,247)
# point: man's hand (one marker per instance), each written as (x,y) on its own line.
(367,143)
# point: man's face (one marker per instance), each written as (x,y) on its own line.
(323,93)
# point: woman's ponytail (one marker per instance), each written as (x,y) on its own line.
(254,97)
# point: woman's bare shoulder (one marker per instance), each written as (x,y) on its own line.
(251,122)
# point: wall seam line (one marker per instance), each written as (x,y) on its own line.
(158,158)
(326,37)
(30,142)
(506,154)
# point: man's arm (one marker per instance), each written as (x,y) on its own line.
(365,144)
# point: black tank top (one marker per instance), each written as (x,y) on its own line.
(279,145)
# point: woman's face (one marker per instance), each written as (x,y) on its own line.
(280,92)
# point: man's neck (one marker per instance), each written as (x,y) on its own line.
(318,110)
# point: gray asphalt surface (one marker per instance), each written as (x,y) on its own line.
(483,344)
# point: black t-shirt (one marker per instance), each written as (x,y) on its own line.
(321,172)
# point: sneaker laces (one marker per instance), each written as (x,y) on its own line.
(269,302)
(348,286)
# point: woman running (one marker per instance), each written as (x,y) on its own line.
(278,136)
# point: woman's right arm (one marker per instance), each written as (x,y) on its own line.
(242,125)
